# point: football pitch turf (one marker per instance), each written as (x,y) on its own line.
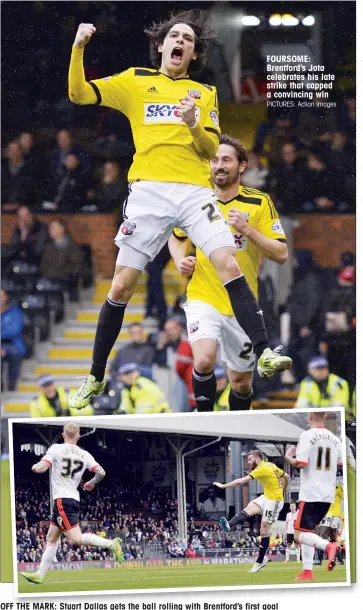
(6,563)
(175,576)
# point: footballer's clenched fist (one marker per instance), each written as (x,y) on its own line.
(84,34)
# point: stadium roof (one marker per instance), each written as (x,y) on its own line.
(256,426)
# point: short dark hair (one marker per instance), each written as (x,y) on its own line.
(257,453)
(199,21)
(133,324)
(61,222)
(240,150)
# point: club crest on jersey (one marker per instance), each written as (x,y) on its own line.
(239,241)
(127,227)
(164,113)
(277,228)
(193,327)
(195,93)
(214,116)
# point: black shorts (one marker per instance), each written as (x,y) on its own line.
(310,514)
(65,513)
(289,538)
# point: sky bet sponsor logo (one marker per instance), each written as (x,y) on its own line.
(163,113)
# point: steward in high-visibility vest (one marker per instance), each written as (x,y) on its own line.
(139,394)
(53,401)
(322,389)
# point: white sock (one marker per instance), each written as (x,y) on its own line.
(298,553)
(307,553)
(313,540)
(287,554)
(47,558)
(93,540)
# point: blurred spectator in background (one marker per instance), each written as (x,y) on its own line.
(17,179)
(341,153)
(184,370)
(65,146)
(140,395)
(62,259)
(139,350)
(35,158)
(304,308)
(167,342)
(112,190)
(190,553)
(255,174)
(12,343)
(52,401)
(70,192)
(174,550)
(271,136)
(286,182)
(313,122)
(33,154)
(322,388)
(28,239)
(338,326)
(323,186)
(156,303)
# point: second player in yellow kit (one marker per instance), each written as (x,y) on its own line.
(268,505)
(260,214)
(333,518)
(257,232)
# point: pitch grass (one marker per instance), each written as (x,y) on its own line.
(6,561)
(352,503)
(175,577)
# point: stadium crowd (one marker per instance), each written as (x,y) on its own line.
(67,176)
(145,519)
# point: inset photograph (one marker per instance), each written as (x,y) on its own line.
(172,502)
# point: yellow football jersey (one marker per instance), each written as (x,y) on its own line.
(335,509)
(260,212)
(269,475)
(164,145)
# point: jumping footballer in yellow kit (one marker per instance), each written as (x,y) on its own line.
(269,505)
(175,126)
(257,231)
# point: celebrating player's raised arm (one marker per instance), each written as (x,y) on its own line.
(80,92)
(205,138)
(234,483)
